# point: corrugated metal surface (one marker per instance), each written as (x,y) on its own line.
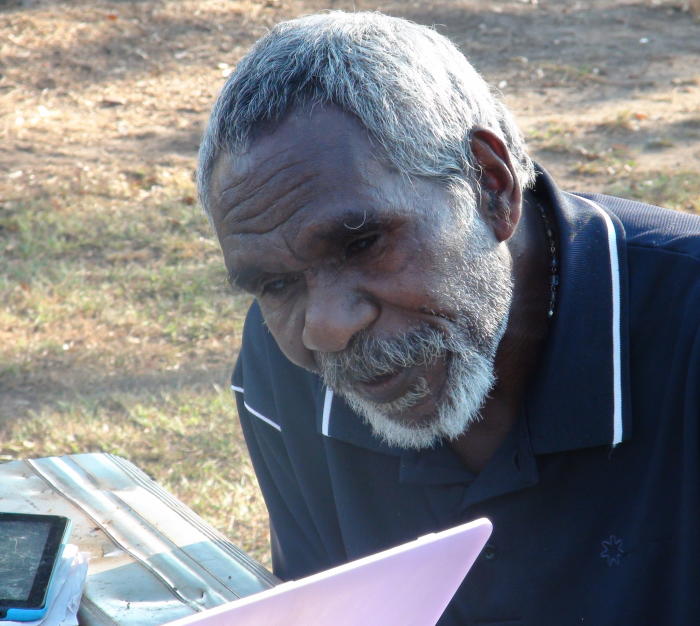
(152,559)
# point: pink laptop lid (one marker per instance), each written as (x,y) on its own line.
(409,585)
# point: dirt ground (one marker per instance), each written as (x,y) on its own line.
(113,83)
(102,105)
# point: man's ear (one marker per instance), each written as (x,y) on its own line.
(501,199)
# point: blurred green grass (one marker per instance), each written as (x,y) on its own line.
(118,331)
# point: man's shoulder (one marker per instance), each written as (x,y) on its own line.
(256,335)
(652,227)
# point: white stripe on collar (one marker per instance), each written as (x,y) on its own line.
(252,411)
(327,401)
(616,355)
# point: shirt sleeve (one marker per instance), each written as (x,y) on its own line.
(298,533)
(295,546)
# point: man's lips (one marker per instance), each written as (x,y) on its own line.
(387,388)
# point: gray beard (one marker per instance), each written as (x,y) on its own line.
(482,292)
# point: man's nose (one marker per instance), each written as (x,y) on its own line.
(334,314)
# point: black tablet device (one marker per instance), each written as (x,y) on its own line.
(30,548)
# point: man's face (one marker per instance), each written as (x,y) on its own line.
(367,278)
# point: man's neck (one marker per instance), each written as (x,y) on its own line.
(521,346)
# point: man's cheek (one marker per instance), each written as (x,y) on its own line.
(287,328)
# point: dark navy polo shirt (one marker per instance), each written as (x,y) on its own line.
(594,495)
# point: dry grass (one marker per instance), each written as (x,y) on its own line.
(117,333)
(117,327)
(185,438)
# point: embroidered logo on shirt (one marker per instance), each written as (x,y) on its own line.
(612,550)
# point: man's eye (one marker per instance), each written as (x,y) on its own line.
(277,286)
(360,245)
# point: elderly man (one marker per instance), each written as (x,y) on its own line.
(440,333)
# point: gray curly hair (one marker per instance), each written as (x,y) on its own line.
(414,92)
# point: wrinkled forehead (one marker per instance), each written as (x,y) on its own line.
(306,153)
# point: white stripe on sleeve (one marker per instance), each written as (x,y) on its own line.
(252,411)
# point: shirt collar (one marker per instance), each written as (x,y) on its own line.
(338,421)
(579,397)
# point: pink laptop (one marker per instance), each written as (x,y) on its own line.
(410,585)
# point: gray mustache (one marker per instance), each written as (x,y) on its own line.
(368,357)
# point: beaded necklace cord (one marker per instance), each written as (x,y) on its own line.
(553,263)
